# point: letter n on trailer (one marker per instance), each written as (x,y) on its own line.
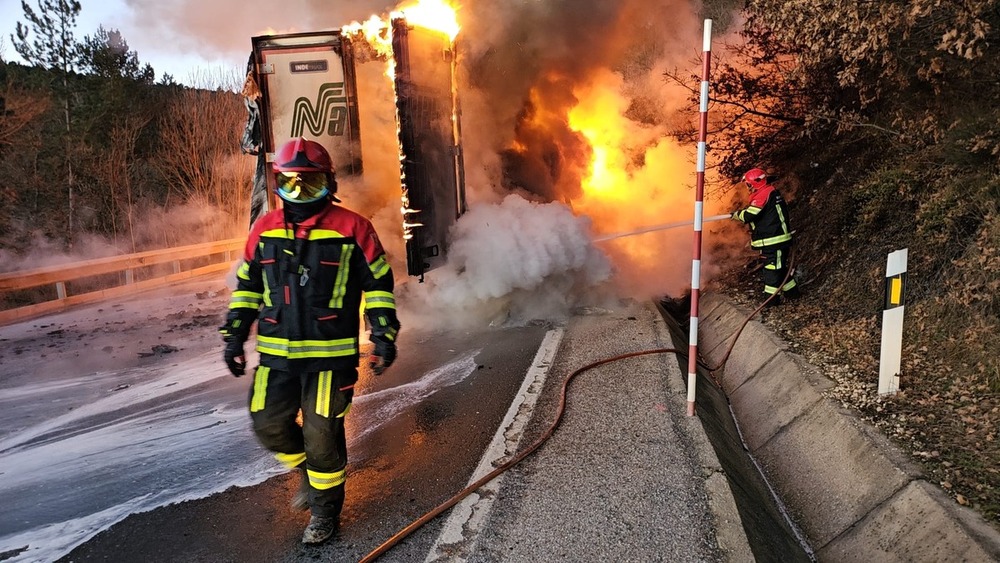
(307,89)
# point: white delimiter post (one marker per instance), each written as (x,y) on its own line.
(698,212)
(892,323)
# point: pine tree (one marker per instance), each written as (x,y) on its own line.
(53,47)
(106,54)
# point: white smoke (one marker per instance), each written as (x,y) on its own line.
(509,258)
(194,26)
(511,263)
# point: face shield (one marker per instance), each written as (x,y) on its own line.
(302,187)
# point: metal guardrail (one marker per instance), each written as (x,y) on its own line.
(127,263)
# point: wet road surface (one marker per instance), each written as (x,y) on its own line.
(98,427)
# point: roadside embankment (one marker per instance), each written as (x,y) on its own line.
(854,495)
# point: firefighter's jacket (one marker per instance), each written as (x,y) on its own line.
(305,290)
(767,215)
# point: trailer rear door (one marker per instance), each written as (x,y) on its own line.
(430,142)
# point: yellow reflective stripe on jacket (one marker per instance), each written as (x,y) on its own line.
(785,236)
(323,234)
(245,300)
(263,276)
(781,217)
(343,273)
(287,234)
(291,461)
(259,389)
(784,222)
(344,412)
(771,240)
(314,234)
(323,481)
(267,288)
(243,272)
(299,349)
(324,393)
(379,267)
(379,299)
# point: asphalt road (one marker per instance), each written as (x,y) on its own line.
(123,438)
(110,413)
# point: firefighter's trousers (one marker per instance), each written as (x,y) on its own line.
(319,445)
(776,268)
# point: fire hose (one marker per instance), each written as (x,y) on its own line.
(665,226)
(455,499)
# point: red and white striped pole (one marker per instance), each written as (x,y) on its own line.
(698,212)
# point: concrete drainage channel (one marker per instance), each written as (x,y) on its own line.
(769,530)
(851,494)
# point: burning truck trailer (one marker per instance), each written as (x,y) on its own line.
(304,84)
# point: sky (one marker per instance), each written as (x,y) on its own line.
(184,38)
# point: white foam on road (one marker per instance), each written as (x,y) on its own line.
(379,407)
(156,442)
(159,382)
(161,440)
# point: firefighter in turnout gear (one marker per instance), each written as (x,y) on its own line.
(306,268)
(770,234)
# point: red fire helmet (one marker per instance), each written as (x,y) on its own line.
(302,155)
(755,179)
(304,172)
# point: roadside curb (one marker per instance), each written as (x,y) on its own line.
(854,495)
(730,533)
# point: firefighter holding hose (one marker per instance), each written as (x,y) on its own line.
(306,268)
(770,234)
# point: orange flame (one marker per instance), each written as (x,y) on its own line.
(437,15)
(597,118)
(636,175)
(376,32)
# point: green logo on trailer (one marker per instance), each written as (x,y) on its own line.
(327,117)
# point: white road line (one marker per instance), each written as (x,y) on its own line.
(468,516)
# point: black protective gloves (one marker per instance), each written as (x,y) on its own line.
(383,355)
(234,333)
(235,359)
